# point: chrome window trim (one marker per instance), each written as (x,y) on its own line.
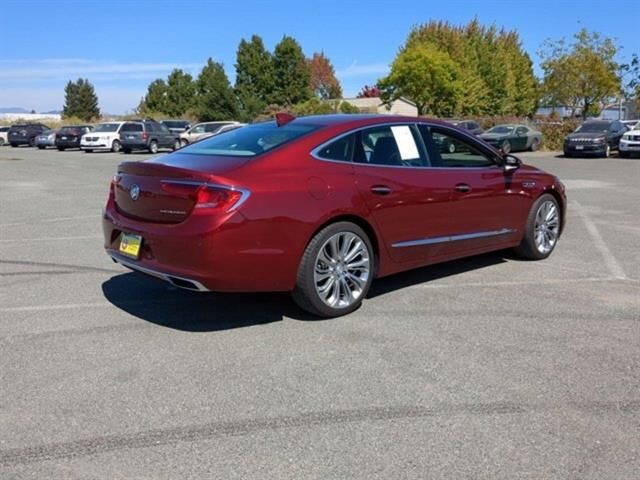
(315,151)
(244,193)
(452,238)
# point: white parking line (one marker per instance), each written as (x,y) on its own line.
(610,260)
(50,220)
(48,239)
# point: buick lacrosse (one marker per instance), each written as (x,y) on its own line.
(320,206)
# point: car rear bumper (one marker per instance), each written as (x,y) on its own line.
(129,145)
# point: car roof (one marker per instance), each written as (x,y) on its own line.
(362,119)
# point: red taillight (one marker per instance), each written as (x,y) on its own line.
(205,196)
(145,135)
(112,188)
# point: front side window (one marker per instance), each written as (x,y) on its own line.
(340,150)
(250,140)
(451,150)
(394,146)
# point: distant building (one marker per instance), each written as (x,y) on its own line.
(402,106)
(30,117)
(561,112)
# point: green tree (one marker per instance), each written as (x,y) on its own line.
(156,98)
(254,77)
(324,83)
(291,72)
(426,76)
(80,100)
(582,75)
(215,99)
(181,91)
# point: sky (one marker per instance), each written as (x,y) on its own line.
(122,45)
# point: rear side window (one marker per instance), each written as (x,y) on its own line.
(450,149)
(250,140)
(394,146)
(340,150)
(131,127)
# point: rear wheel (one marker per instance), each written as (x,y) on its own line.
(115,146)
(506,146)
(184,142)
(1,142)
(535,145)
(153,146)
(176,145)
(126,150)
(541,230)
(335,272)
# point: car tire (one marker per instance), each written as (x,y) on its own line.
(88,150)
(535,145)
(607,151)
(32,142)
(14,145)
(177,145)
(184,143)
(126,150)
(623,154)
(41,147)
(542,229)
(451,148)
(153,147)
(116,146)
(62,149)
(347,279)
(1,142)
(567,154)
(505,147)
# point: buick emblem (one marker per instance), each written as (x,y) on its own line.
(134,191)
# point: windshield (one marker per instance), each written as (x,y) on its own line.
(593,128)
(107,127)
(251,140)
(501,129)
(69,129)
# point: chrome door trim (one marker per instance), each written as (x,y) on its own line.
(453,238)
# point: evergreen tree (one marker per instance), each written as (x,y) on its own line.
(323,77)
(181,91)
(155,101)
(215,99)
(80,100)
(291,71)
(254,77)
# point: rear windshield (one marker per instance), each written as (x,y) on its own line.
(69,129)
(593,127)
(107,127)
(250,140)
(131,127)
(175,124)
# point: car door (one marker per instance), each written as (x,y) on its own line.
(487,206)
(520,139)
(408,203)
(165,135)
(616,132)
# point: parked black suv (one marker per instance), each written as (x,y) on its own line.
(25,134)
(147,135)
(176,126)
(69,136)
(594,137)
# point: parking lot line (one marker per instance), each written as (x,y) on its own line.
(50,220)
(610,260)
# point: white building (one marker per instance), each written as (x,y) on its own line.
(402,106)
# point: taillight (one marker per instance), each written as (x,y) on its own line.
(206,196)
(145,135)
(112,187)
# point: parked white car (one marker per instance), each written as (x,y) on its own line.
(106,136)
(630,142)
(202,130)
(4,140)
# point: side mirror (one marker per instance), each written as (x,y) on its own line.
(510,163)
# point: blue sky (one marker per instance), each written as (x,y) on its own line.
(121,45)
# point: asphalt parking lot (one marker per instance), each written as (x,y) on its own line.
(489,367)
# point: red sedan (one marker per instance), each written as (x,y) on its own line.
(321,205)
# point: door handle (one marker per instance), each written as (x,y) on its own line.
(463,187)
(380,190)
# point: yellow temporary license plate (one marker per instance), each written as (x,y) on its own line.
(130,244)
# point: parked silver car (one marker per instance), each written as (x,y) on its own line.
(46,139)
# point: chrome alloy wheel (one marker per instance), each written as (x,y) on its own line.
(547,226)
(342,269)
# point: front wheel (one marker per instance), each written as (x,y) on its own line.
(335,272)
(184,142)
(176,145)
(607,151)
(506,146)
(542,229)
(115,146)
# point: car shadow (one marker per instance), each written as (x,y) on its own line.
(157,302)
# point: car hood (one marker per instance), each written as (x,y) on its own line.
(587,136)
